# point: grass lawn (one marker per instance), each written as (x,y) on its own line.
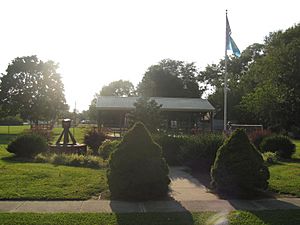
(285,176)
(282,217)
(26,180)
(13,129)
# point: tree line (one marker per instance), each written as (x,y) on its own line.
(264,85)
(264,82)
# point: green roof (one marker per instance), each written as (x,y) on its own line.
(168,104)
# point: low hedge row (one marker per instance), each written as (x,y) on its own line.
(197,151)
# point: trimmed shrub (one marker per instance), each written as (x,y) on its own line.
(280,144)
(199,151)
(239,168)
(171,147)
(107,148)
(71,160)
(137,170)
(27,145)
(270,157)
(94,139)
(257,136)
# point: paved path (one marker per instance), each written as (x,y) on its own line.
(189,194)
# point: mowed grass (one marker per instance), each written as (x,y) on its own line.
(36,181)
(13,129)
(282,217)
(285,176)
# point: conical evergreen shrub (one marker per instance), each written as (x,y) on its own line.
(137,170)
(239,168)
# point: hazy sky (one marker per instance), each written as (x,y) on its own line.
(96,42)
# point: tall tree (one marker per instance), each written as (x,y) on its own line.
(118,88)
(122,88)
(276,97)
(213,78)
(170,78)
(146,111)
(33,89)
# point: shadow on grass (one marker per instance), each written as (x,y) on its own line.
(16,159)
(151,212)
(279,217)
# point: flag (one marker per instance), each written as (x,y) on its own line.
(230,44)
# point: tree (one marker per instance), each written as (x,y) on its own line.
(275,100)
(213,78)
(33,89)
(122,88)
(148,112)
(170,78)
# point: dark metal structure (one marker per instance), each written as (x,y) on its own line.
(67,147)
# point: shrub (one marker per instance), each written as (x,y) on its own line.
(11,121)
(137,170)
(199,151)
(71,160)
(280,144)
(107,148)
(171,147)
(239,168)
(270,157)
(257,136)
(94,139)
(27,145)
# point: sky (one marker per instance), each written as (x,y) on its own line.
(96,42)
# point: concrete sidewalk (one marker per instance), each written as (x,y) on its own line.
(188,194)
(151,206)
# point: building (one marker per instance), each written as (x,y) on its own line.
(181,114)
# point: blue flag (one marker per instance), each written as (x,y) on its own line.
(230,44)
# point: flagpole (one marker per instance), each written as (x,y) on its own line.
(225,78)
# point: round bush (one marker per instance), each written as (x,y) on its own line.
(107,148)
(28,145)
(94,139)
(239,168)
(137,170)
(280,144)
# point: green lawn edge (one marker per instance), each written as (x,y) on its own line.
(273,217)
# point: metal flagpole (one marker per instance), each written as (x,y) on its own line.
(225,77)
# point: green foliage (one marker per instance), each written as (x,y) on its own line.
(270,157)
(171,147)
(257,136)
(199,151)
(107,148)
(123,88)
(27,145)
(11,120)
(196,151)
(33,89)
(239,168)
(137,170)
(94,139)
(71,160)
(280,144)
(148,112)
(170,78)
